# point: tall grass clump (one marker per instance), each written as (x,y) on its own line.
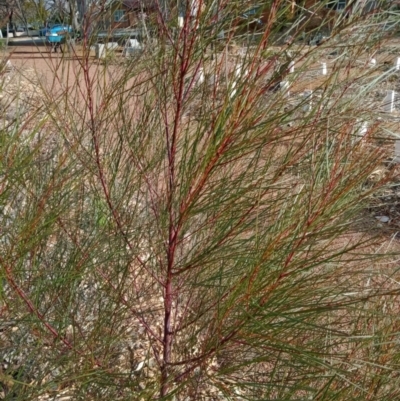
(189,223)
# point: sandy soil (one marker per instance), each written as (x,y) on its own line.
(68,66)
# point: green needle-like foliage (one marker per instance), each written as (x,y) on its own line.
(178,226)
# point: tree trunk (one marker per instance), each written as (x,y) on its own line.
(75,7)
(10,21)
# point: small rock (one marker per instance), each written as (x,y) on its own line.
(377,175)
(8,66)
(139,366)
(383,219)
(288,40)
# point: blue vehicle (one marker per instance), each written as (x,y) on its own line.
(51,29)
(55,29)
(56,35)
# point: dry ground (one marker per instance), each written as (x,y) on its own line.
(44,63)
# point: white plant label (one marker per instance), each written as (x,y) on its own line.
(324,69)
(194,8)
(361,130)
(285,85)
(201,77)
(100,51)
(134,44)
(308,98)
(388,102)
(397,151)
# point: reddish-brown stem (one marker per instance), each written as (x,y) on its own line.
(31,307)
(173,231)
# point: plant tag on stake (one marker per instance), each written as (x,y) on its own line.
(396,158)
(285,87)
(364,129)
(233,90)
(201,76)
(132,47)
(361,130)
(388,102)
(180,22)
(324,69)
(100,51)
(238,73)
(308,98)
(134,44)
(291,67)
(8,66)
(397,64)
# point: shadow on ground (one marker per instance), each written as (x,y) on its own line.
(26,42)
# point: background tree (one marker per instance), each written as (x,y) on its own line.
(35,11)
(24,12)
(8,10)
